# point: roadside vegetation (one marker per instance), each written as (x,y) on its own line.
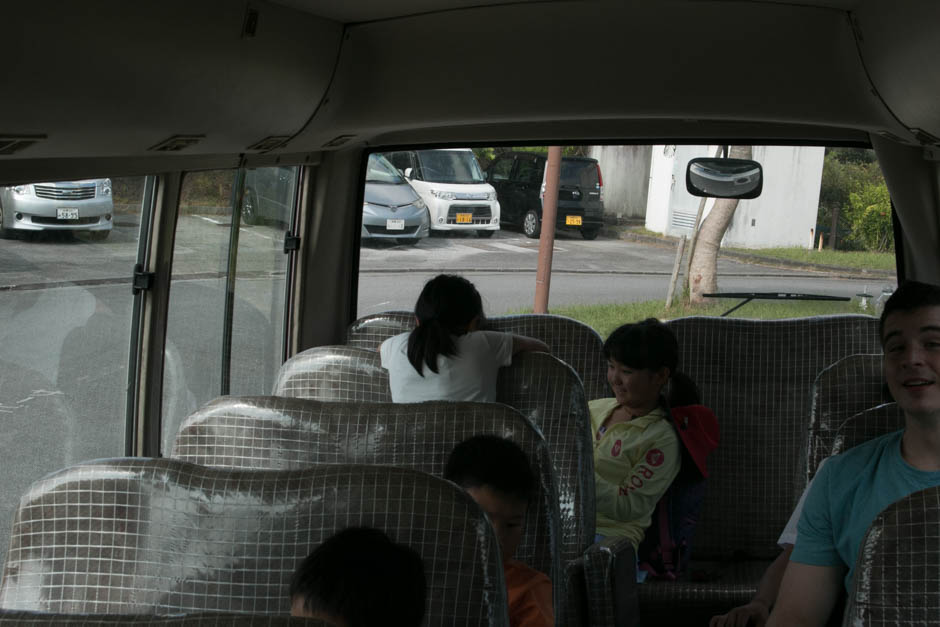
(856,259)
(606,318)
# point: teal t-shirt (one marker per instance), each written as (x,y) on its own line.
(848,492)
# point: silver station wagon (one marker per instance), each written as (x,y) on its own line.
(67,205)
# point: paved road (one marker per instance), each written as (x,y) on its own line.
(65,307)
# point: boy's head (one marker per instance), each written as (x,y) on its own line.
(496,473)
(359,578)
(910,337)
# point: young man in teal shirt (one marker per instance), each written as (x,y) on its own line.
(853,488)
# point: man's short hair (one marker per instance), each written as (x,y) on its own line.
(909,296)
(361,577)
(489,460)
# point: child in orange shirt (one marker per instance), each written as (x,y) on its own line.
(496,473)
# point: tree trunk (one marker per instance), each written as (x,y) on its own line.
(703,270)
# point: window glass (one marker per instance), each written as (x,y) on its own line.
(213,291)
(501,169)
(449,166)
(66,264)
(529,170)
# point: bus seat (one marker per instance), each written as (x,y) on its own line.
(756,375)
(895,580)
(162,536)
(573,342)
(42,619)
(866,425)
(275,433)
(841,390)
(334,373)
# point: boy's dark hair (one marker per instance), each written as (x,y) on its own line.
(645,345)
(447,304)
(489,460)
(360,576)
(909,296)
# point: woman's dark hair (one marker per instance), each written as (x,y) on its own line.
(446,306)
(651,345)
(363,578)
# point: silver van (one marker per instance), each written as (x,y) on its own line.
(67,205)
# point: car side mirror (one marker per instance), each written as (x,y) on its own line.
(408,172)
(724,178)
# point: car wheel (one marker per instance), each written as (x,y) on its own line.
(250,208)
(408,241)
(5,233)
(530,224)
(485,234)
(589,233)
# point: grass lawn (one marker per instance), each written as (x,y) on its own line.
(606,318)
(858,259)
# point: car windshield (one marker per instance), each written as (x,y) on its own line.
(449,166)
(578,173)
(381,171)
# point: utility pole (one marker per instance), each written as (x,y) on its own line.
(543,277)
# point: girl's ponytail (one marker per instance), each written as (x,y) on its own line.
(682,391)
(446,307)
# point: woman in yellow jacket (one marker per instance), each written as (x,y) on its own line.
(636,451)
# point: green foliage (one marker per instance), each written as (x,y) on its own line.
(848,171)
(857,259)
(486,156)
(869,212)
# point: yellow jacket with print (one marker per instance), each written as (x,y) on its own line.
(634,464)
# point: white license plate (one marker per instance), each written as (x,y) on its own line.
(67,213)
(395,225)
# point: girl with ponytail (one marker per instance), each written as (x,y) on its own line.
(446,357)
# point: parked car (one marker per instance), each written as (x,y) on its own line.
(67,205)
(519,179)
(452,184)
(267,198)
(391,207)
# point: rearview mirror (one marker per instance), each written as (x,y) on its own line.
(724,178)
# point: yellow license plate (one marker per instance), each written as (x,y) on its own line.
(467,218)
(573,220)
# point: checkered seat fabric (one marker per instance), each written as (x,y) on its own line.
(841,390)
(41,619)
(276,433)
(867,425)
(163,536)
(571,341)
(897,576)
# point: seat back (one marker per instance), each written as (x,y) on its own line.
(334,373)
(867,425)
(850,385)
(543,388)
(275,433)
(37,619)
(756,375)
(571,341)
(895,580)
(163,536)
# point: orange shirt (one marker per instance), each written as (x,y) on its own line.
(530,596)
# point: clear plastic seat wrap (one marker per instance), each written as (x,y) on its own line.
(571,341)
(841,390)
(277,433)
(547,392)
(41,619)
(756,375)
(161,536)
(897,576)
(867,425)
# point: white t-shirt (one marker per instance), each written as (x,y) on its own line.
(789,532)
(470,375)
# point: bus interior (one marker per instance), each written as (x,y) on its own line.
(230,141)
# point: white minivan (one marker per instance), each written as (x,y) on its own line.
(452,184)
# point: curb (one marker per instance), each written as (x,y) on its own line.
(843,272)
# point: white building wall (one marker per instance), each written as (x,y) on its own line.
(784,215)
(626,171)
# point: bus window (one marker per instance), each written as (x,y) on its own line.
(226,315)
(66,264)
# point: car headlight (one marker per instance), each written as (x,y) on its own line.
(491,196)
(420,204)
(105,187)
(23,190)
(443,195)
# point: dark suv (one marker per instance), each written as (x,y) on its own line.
(519,179)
